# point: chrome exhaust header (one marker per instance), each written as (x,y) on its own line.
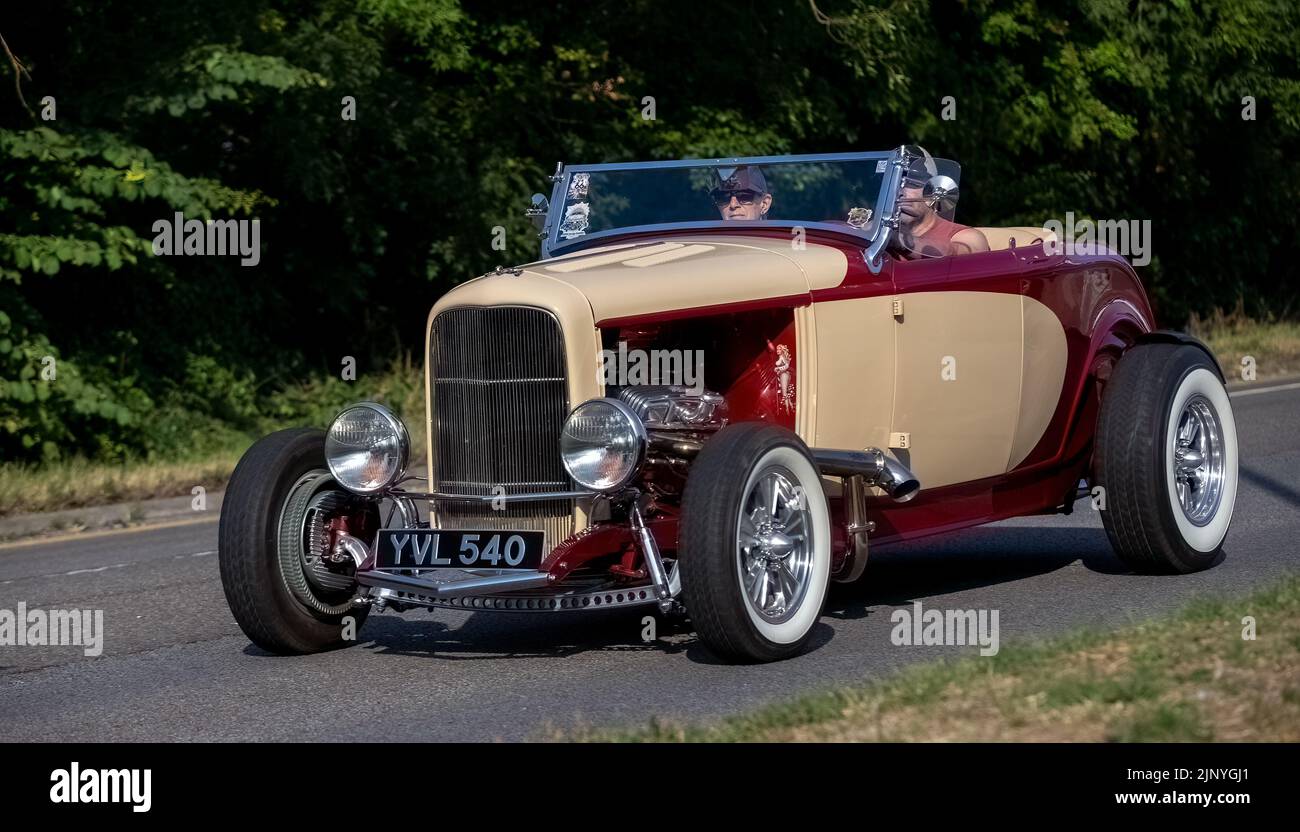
(876,467)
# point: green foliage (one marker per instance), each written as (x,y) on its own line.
(47,405)
(74,191)
(1107,108)
(212,74)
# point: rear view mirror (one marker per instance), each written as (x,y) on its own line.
(941,193)
(538,210)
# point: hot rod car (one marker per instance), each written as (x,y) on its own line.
(866,371)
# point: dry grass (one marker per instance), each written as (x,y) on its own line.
(1188,678)
(1273,344)
(79,483)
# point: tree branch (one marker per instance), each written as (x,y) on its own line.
(20,72)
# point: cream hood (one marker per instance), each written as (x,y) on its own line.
(659,276)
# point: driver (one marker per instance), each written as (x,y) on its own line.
(921,231)
(741,193)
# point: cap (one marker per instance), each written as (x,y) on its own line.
(742,178)
(921,165)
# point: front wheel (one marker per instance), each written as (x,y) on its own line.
(1166,458)
(286,590)
(755,548)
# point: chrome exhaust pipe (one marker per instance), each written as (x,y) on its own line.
(896,481)
(875,466)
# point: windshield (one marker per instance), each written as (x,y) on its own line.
(835,190)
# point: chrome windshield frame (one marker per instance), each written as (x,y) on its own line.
(553,246)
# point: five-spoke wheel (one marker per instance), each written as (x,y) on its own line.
(754,543)
(1166,456)
(775,555)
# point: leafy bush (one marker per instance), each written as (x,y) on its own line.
(49,409)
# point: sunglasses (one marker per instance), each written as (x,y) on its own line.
(723,198)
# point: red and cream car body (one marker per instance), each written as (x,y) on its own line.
(864,396)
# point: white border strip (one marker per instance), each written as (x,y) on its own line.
(1253,391)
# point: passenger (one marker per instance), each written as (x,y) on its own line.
(921,231)
(741,193)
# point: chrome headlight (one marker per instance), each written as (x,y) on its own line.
(603,444)
(367,448)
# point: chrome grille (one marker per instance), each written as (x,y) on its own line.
(499,399)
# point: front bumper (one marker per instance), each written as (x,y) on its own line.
(470,585)
(510,592)
(519,591)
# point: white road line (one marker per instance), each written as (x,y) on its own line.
(87,571)
(1255,391)
(102,568)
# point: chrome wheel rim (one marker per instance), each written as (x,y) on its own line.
(1198,460)
(774,545)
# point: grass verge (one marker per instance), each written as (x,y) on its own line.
(77,483)
(1274,345)
(1189,677)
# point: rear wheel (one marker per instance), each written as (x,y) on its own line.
(1167,458)
(286,591)
(755,543)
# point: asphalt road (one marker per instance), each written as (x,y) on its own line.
(176,667)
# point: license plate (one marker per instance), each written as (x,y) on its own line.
(459,549)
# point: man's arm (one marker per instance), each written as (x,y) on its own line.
(968,241)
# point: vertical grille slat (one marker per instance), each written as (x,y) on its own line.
(499,396)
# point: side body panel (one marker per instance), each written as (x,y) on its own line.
(1076,316)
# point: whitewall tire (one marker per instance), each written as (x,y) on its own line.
(1167,459)
(755,543)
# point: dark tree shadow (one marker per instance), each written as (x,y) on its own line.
(1269,485)
(902,573)
(495,635)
